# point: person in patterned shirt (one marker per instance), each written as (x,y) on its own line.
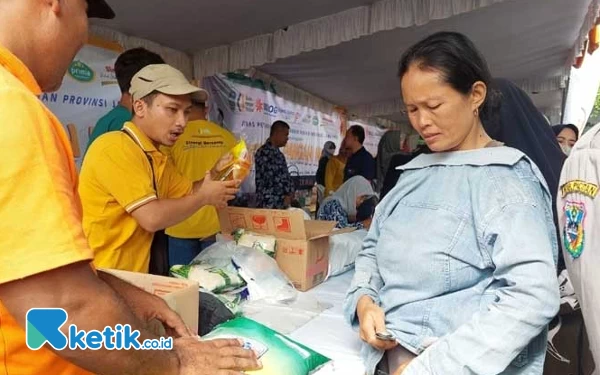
(274,186)
(343,206)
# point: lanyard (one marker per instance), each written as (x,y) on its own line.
(149,157)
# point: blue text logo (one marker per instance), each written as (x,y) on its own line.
(44,327)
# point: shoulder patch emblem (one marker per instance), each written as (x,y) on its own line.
(574,233)
(581,187)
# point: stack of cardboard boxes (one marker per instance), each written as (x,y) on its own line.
(302,245)
(181,295)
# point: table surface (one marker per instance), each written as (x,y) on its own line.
(324,331)
(329,333)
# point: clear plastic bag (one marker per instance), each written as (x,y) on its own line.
(236,164)
(262,275)
(218,254)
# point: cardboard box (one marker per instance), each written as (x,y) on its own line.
(302,245)
(181,295)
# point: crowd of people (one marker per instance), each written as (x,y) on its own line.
(468,235)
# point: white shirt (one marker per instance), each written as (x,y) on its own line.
(578,209)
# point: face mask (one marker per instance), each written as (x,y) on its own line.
(566,149)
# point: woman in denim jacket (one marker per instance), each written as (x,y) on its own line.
(459,266)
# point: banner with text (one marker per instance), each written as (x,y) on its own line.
(88,92)
(247,108)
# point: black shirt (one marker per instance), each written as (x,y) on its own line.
(361,163)
(322,169)
(392,175)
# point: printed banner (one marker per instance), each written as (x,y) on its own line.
(247,108)
(88,92)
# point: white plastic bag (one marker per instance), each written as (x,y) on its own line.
(212,269)
(262,275)
(343,250)
(297,312)
(218,254)
(265,243)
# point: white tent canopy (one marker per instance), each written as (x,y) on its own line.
(345,52)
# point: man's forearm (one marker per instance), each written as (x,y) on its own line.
(118,285)
(91,305)
(174,211)
(165,213)
(124,290)
(107,309)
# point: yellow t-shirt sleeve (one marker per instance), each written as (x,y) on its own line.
(330,172)
(123,172)
(40,210)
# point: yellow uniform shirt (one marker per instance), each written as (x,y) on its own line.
(116,178)
(196,152)
(40,211)
(334,175)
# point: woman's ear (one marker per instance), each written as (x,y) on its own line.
(478,95)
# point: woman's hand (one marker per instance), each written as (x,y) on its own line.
(372,320)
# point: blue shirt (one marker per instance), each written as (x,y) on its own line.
(461,256)
(361,163)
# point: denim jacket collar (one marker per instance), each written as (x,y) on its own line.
(479,157)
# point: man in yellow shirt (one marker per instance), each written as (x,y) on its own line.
(130,189)
(334,172)
(44,255)
(197,151)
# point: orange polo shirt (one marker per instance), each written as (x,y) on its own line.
(40,211)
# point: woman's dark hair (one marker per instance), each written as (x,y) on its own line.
(457,59)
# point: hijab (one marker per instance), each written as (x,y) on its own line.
(348,193)
(328,150)
(519,124)
(559,128)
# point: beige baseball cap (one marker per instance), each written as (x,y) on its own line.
(166,80)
